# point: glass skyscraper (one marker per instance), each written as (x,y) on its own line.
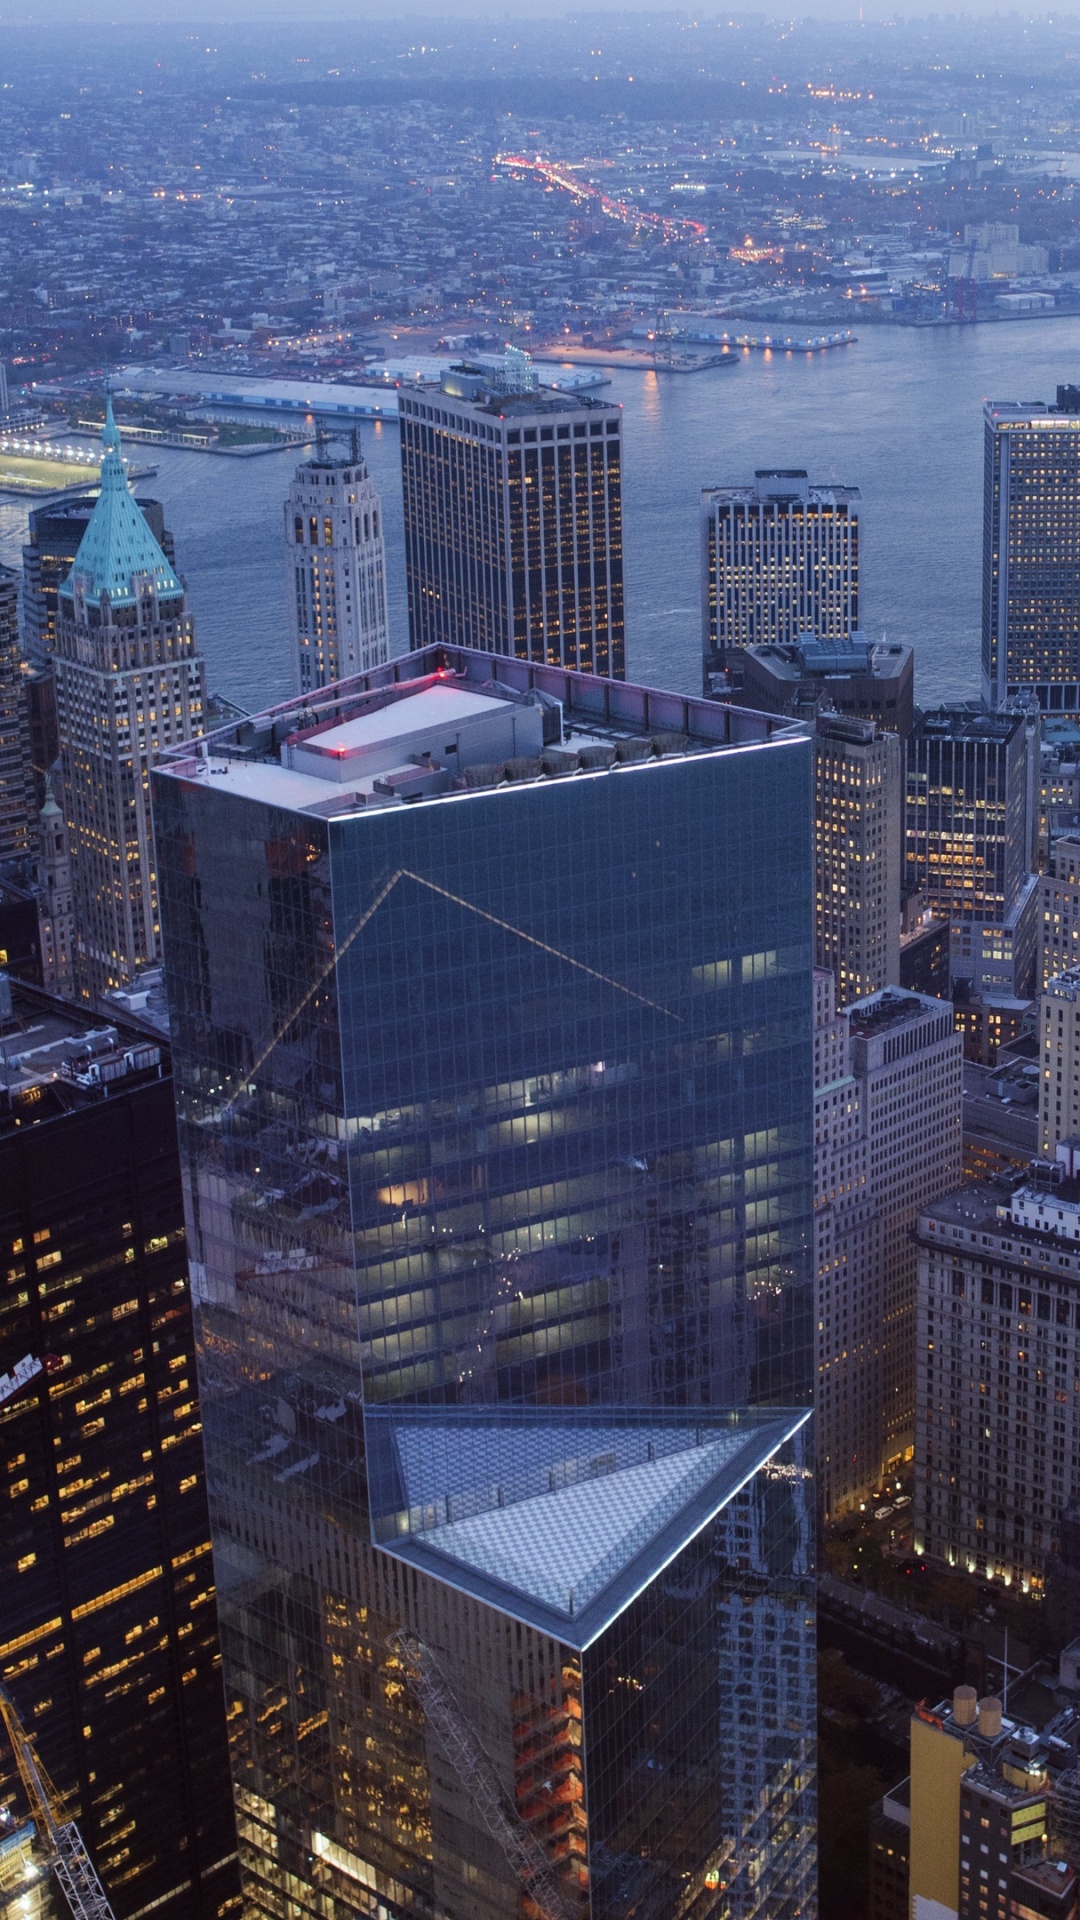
(491,991)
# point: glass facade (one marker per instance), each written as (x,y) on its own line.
(495,1102)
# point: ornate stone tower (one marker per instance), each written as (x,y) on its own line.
(128,683)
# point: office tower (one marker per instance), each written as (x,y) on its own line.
(971,850)
(128,684)
(974,1817)
(108,1641)
(513,521)
(1059,1061)
(17,806)
(924,948)
(495,1100)
(888,1127)
(779,561)
(37,927)
(55,904)
(890,1856)
(812,676)
(998,1353)
(1031,553)
(337,596)
(56,533)
(858,854)
(1059,911)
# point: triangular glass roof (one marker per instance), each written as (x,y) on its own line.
(118,545)
(558,1520)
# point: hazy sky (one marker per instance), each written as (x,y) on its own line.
(220,12)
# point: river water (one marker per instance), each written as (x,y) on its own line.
(898,414)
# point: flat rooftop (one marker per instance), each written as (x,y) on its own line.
(447,723)
(970,722)
(810,660)
(772,488)
(1011,413)
(538,403)
(55,1057)
(889,1009)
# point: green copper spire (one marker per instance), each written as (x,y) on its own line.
(118,546)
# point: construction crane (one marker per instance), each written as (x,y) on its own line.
(68,1857)
(471,1765)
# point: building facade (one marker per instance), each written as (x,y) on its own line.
(888,1128)
(109,1642)
(501,1217)
(129,683)
(979,1806)
(858,854)
(998,1359)
(779,561)
(972,839)
(17,802)
(1059,911)
(513,521)
(55,536)
(56,533)
(1031,554)
(1059,1061)
(334,540)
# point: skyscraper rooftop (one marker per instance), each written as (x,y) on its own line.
(559,1518)
(450,721)
(118,546)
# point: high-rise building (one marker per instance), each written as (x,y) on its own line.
(1059,915)
(924,948)
(129,683)
(495,1102)
(1059,1060)
(972,839)
(513,521)
(975,1817)
(858,854)
(888,1126)
(811,676)
(108,1634)
(17,802)
(998,1353)
(56,533)
(55,905)
(1031,553)
(779,561)
(337,595)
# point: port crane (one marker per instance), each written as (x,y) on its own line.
(471,1764)
(68,1857)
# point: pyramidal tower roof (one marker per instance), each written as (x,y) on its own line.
(118,546)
